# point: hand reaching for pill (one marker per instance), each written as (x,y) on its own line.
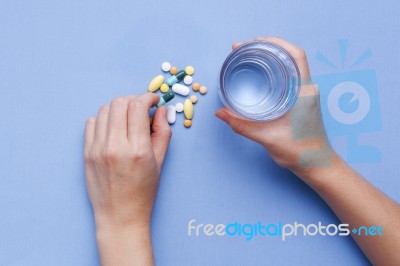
(123,162)
(284,138)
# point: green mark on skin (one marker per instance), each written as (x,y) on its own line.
(306,110)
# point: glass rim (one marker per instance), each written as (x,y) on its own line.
(290,91)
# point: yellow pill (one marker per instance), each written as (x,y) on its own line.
(164,88)
(203,89)
(188,109)
(196,86)
(189,70)
(156,83)
(187,123)
(193,99)
(173,70)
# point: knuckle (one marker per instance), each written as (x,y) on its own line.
(118,101)
(90,121)
(139,155)
(299,53)
(93,156)
(110,150)
(239,128)
(136,105)
(104,108)
(149,94)
(86,157)
(110,155)
(166,132)
(273,38)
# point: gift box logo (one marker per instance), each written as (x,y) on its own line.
(350,104)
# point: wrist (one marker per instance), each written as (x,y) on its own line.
(114,228)
(124,245)
(116,221)
(319,177)
(111,237)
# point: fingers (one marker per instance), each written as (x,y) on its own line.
(291,48)
(246,128)
(101,124)
(117,120)
(236,45)
(89,135)
(138,118)
(127,118)
(298,54)
(161,134)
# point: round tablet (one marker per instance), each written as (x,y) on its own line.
(166,66)
(164,88)
(193,99)
(188,80)
(187,123)
(179,107)
(203,89)
(189,70)
(196,86)
(173,70)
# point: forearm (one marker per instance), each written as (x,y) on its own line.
(358,203)
(119,246)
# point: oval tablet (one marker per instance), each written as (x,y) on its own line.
(156,83)
(188,109)
(171,114)
(179,107)
(180,89)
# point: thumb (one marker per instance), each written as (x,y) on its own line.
(161,134)
(246,128)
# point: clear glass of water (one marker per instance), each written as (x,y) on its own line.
(259,81)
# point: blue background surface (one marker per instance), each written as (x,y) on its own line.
(60,60)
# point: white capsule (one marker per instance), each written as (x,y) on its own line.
(188,80)
(179,107)
(166,66)
(171,114)
(181,89)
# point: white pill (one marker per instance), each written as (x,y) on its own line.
(181,89)
(188,80)
(171,114)
(179,107)
(166,66)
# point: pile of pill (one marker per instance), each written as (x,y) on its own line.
(172,86)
